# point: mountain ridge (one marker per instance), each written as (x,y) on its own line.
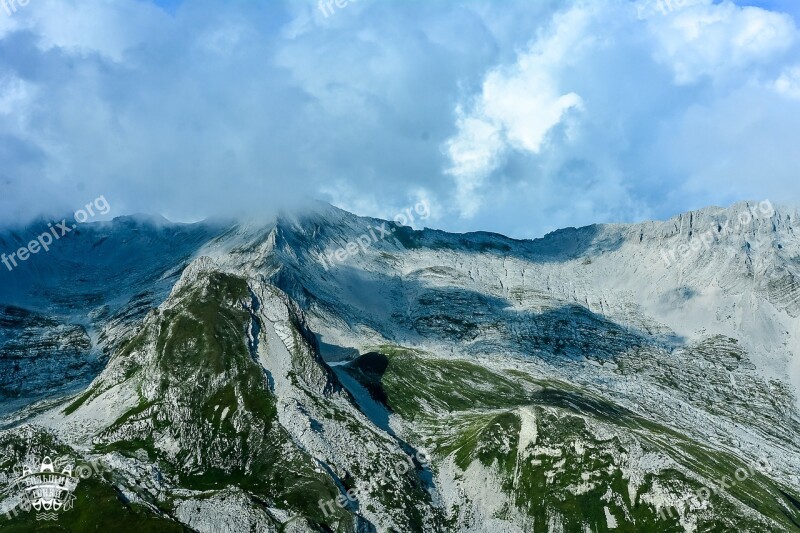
(570,382)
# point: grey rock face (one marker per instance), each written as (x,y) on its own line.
(595,378)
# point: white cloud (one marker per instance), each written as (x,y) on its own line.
(15,96)
(94,26)
(597,118)
(474,153)
(369,202)
(788,84)
(702,39)
(525,105)
(518,106)
(513,117)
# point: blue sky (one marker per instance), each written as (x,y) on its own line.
(510,116)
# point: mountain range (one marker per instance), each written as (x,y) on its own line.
(228,376)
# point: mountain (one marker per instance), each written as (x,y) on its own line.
(329,372)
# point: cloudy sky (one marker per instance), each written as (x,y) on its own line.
(511,116)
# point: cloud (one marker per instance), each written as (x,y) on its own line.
(698,38)
(90,26)
(595,118)
(510,117)
(788,84)
(517,107)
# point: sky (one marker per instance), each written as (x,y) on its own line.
(516,117)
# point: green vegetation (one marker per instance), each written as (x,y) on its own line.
(214,399)
(97,507)
(414,386)
(71,408)
(475,415)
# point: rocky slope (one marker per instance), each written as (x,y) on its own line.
(95,283)
(616,377)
